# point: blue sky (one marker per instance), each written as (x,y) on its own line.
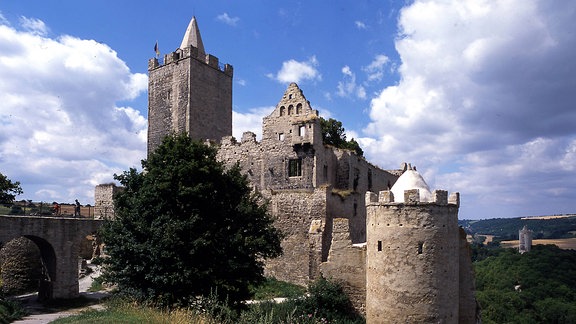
(479,95)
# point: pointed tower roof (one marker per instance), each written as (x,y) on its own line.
(192,37)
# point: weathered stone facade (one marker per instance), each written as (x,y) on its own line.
(391,256)
(58,240)
(194,91)
(103,198)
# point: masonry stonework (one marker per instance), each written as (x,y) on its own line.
(399,260)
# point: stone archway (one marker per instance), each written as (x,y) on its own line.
(48,258)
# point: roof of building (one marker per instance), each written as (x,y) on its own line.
(411,179)
(192,37)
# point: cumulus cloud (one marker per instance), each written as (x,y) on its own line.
(61,130)
(485,101)
(250,121)
(295,71)
(225,18)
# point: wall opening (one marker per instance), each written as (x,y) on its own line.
(420,247)
(379,246)
(301,130)
(295,168)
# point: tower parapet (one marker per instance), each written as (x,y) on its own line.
(412,253)
(191,92)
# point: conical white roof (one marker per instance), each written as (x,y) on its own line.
(192,37)
(411,179)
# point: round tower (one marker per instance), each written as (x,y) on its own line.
(412,254)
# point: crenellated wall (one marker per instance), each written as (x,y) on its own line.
(189,93)
(412,254)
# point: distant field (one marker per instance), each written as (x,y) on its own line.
(547,217)
(567,244)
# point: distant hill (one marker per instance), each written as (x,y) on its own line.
(548,227)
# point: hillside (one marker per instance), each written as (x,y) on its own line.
(534,287)
(507,228)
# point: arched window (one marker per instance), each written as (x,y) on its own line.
(298,109)
(282,111)
(290,110)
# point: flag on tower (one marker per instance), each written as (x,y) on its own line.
(156,49)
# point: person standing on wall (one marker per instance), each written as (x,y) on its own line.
(77,209)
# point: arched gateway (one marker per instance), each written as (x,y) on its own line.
(58,240)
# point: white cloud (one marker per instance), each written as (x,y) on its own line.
(34,26)
(360,24)
(294,71)
(250,121)
(348,87)
(485,102)
(61,131)
(225,18)
(375,70)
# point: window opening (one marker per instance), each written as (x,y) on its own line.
(290,110)
(281,136)
(379,246)
(299,108)
(295,168)
(282,111)
(420,247)
(301,130)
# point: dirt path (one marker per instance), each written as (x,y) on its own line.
(39,314)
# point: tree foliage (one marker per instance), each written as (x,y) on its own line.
(333,133)
(8,189)
(186,227)
(535,287)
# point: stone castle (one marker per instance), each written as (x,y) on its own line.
(393,244)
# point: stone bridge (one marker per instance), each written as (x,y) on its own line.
(59,241)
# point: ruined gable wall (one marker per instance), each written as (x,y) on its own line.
(346,264)
(294,212)
(103,200)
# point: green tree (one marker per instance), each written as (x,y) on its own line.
(333,133)
(8,189)
(186,227)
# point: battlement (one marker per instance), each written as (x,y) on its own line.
(412,197)
(192,53)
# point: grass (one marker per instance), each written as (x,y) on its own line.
(125,312)
(273,288)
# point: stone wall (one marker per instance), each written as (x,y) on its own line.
(189,93)
(103,200)
(412,258)
(58,240)
(295,211)
(346,264)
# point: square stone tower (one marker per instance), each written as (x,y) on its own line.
(191,92)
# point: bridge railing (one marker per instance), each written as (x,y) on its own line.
(45,209)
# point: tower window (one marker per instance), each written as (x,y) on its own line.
(298,108)
(301,130)
(420,247)
(290,110)
(281,136)
(295,167)
(282,111)
(379,246)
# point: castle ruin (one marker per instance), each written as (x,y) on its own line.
(394,245)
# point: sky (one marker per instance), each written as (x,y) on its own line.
(478,95)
